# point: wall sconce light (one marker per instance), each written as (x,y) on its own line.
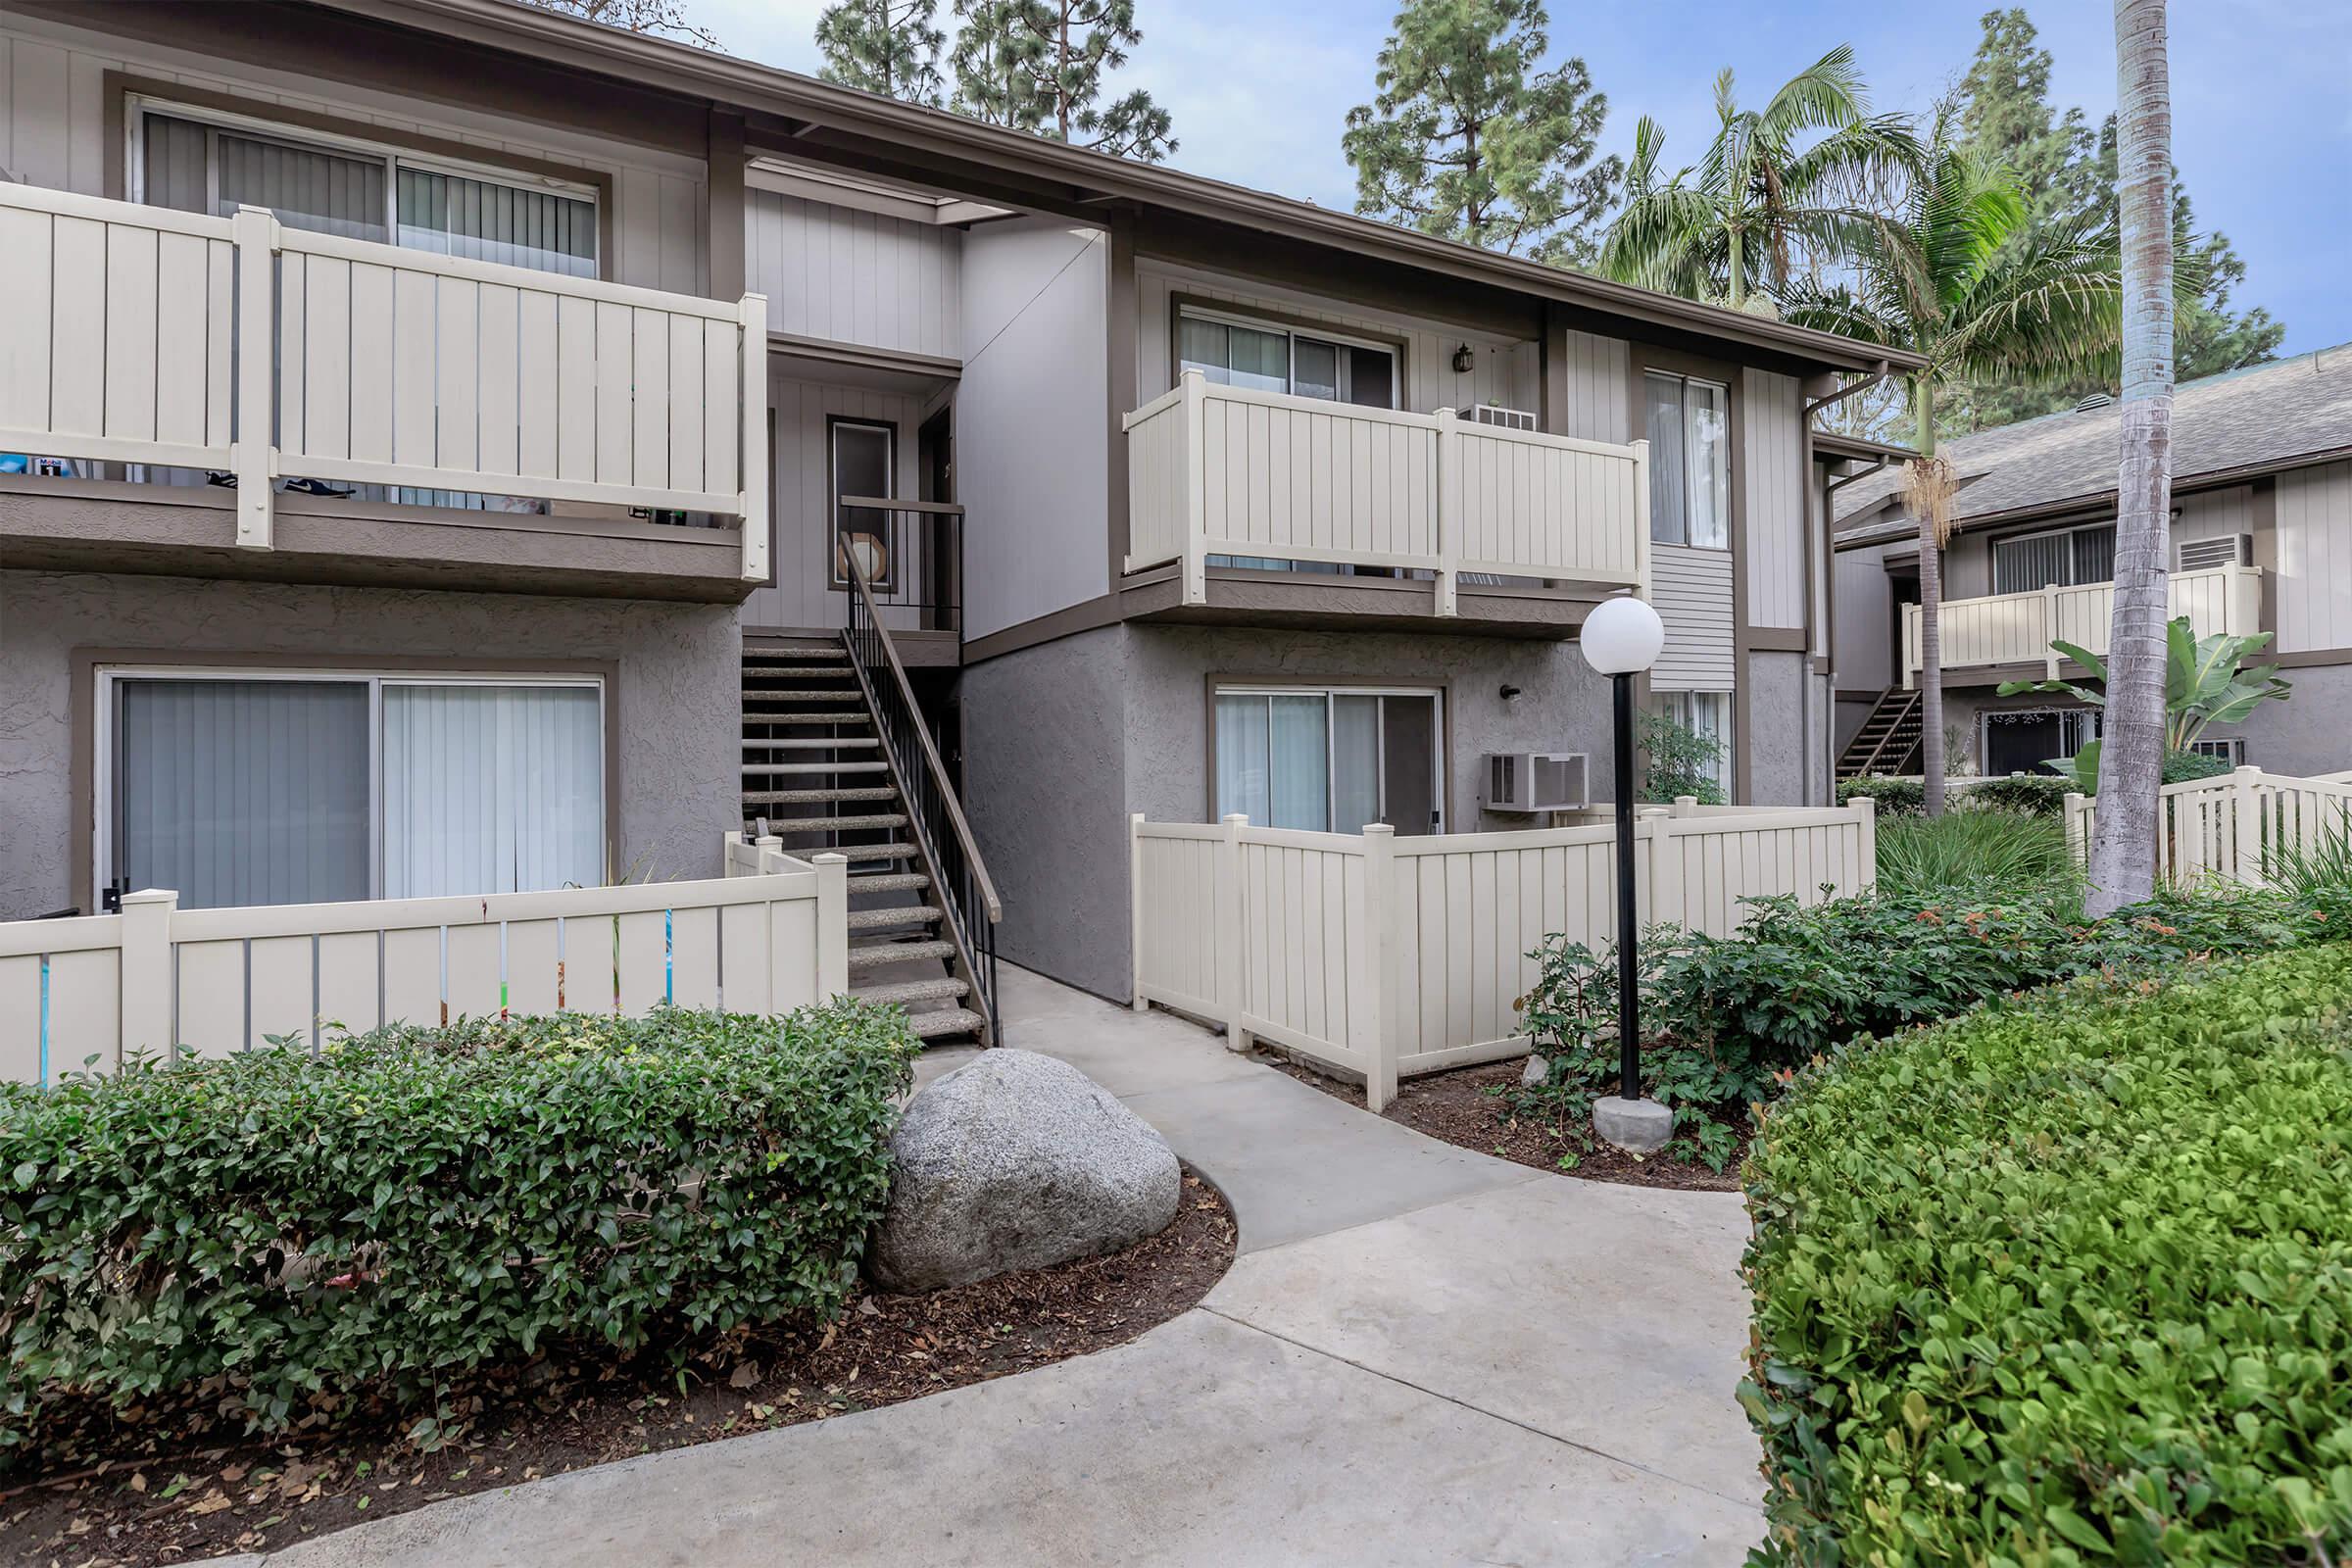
(1465,360)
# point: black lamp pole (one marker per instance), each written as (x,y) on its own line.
(1629,995)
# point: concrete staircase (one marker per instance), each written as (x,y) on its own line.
(817,775)
(1888,740)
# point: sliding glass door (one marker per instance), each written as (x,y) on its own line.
(1330,761)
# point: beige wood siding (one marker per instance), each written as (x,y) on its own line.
(1773,458)
(1693,590)
(803,595)
(53,132)
(1506,371)
(2217,515)
(2315,559)
(853,277)
(1599,387)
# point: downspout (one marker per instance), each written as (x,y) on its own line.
(1829,727)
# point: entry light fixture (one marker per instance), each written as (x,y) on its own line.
(1465,360)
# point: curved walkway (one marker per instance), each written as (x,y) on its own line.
(1421,1355)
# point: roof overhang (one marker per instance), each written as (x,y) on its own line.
(802,114)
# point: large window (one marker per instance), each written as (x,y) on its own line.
(238,789)
(2030,741)
(203,163)
(2066,559)
(1688,426)
(1266,358)
(1330,761)
(1708,716)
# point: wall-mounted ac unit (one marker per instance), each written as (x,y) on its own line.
(1495,414)
(2206,555)
(1535,781)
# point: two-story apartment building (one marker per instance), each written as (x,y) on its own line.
(2261,542)
(443,433)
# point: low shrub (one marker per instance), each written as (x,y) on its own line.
(2065,1281)
(2031,794)
(413,1203)
(1895,797)
(2015,854)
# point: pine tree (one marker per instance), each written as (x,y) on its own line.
(1040,65)
(885,46)
(2066,173)
(1466,140)
(662,17)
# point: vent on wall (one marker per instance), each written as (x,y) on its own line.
(2097,400)
(1535,781)
(2206,555)
(1496,414)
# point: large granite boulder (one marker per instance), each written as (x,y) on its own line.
(1017,1160)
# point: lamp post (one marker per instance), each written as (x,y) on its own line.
(1621,639)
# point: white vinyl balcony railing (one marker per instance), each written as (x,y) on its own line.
(1220,470)
(2018,628)
(143,335)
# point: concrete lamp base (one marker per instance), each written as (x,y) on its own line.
(1636,1126)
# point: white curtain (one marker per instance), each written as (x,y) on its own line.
(240,792)
(1298,775)
(1707,417)
(1355,762)
(1242,757)
(492,789)
(1662,400)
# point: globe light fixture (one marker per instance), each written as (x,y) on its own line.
(1622,638)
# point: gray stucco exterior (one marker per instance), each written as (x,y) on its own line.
(1779,720)
(674,724)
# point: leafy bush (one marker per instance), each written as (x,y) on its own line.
(413,1203)
(2181,766)
(2317,868)
(1895,797)
(2005,850)
(2065,1281)
(2032,794)
(1679,761)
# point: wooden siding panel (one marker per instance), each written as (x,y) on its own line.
(1692,589)
(800,464)
(2315,559)
(1773,414)
(1598,373)
(853,277)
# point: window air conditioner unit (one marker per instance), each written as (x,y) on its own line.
(2205,555)
(1496,414)
(1535,781)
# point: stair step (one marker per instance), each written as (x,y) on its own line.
(825,650)
(853,716)
(773,769)
(880,954)
(862,852)
(785,698)
(945,1021)
(813,743)
(825,824)
(820,797)
(892,915)
(886,882)
(944,989)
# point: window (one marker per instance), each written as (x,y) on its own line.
(1708,716)
(864,459)
(2066,559)
(2232,751)
(1330,761)
(238,789)
(208,163)
(1688,426)
(2032,740)
(1274,359)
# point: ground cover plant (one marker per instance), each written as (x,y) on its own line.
(280,1235)
(2064,1281)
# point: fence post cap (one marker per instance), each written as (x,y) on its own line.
(1386,830)
(829,857)
(1864,806)
(152,895)
(1235,818)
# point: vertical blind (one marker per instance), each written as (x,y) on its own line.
(236,792)
(2061,560)
(453,215)
(492,789)
(1688,427)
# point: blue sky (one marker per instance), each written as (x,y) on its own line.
(2262,123)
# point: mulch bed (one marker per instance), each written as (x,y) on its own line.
(162,1497)
(1459,1107)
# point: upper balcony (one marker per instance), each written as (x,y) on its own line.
(313,408)
(1995,637)
(1482,525)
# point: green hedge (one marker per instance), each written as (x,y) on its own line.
(2035,793)
(416,1202)
(2067,1281)
(1895,797)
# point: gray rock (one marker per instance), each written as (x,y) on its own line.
(1532,1075)
(1636,1126)
(1017,1160)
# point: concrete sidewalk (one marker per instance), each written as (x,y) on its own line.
(1421,1355)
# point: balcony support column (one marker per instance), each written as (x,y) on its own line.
(253,453)
(2049,627)
(1450,511)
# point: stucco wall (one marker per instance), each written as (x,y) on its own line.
(677,706)
(1044,765)
(1778,727)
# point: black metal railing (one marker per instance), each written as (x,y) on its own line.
(968,899)
(913,556)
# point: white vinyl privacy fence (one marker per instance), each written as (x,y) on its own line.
(770,936)
(1390,957)
(2235,829)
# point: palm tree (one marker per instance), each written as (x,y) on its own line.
(2123,848)
(1955,275)
(1731,229)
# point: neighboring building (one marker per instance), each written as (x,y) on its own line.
(2261,542)
(1292,589)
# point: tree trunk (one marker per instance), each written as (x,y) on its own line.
(2122,849)
(1931,617)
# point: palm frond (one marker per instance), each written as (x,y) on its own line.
(1825,94)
